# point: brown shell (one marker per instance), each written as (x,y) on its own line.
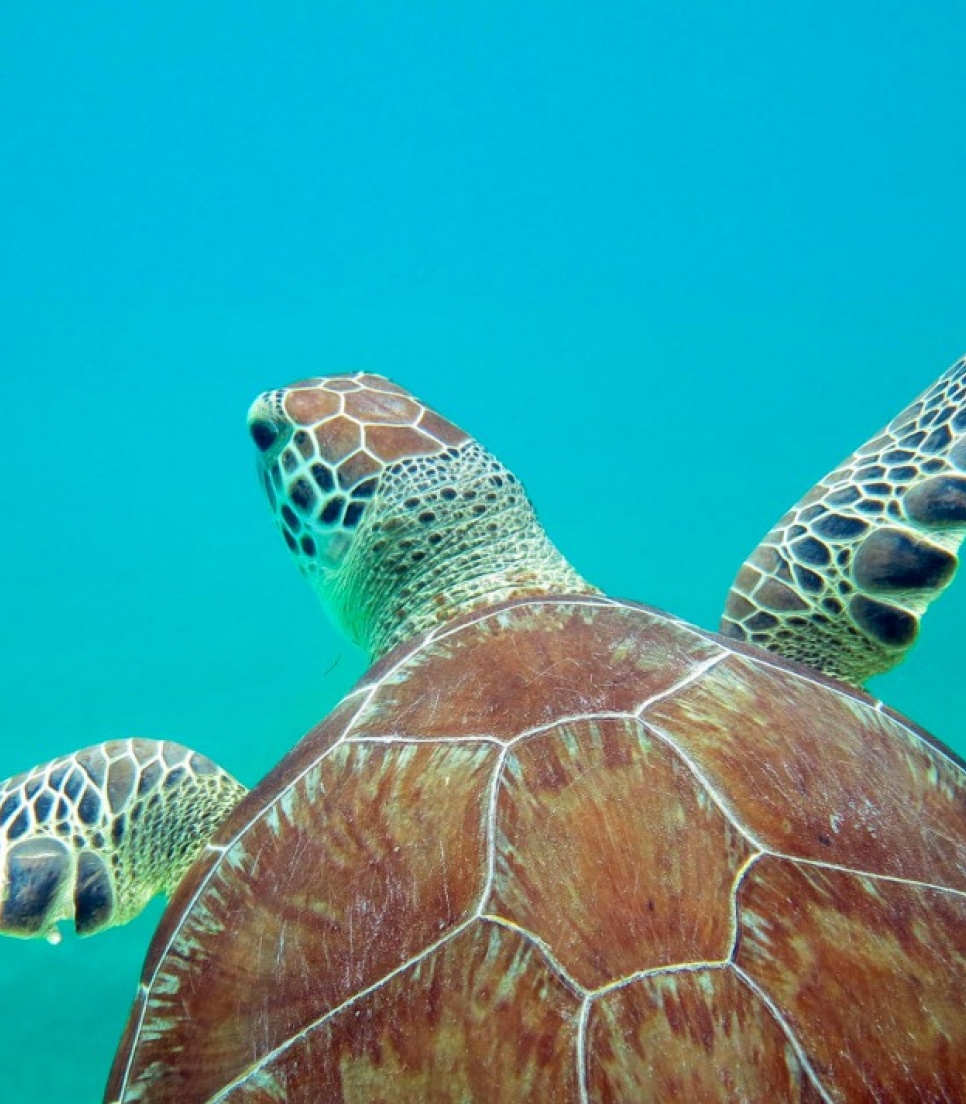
(574,850)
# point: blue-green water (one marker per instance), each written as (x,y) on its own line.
(669,264)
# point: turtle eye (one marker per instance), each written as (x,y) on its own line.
(264,433)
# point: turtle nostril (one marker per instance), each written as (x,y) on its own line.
(264,433)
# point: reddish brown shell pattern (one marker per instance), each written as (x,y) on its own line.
(573,850)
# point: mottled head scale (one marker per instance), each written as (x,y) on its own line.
(398,518)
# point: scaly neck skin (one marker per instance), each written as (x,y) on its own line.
(455,535)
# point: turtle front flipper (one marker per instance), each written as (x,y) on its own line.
(843,579)
(92,836)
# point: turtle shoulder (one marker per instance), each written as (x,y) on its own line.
(569,831)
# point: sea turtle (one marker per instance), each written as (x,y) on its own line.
(554,846)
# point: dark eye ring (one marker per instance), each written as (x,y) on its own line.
(264,434)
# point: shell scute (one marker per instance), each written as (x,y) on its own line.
(691,1035)
(288,930)
(819,773)
(868,973)
(602,888)
(532,664)
(494,1025)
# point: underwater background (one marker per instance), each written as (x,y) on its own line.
(670,262)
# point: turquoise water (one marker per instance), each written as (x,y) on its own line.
(671,266)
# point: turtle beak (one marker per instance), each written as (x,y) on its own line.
(267,425)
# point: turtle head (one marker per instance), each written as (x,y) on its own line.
(398,518)
(325,446)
